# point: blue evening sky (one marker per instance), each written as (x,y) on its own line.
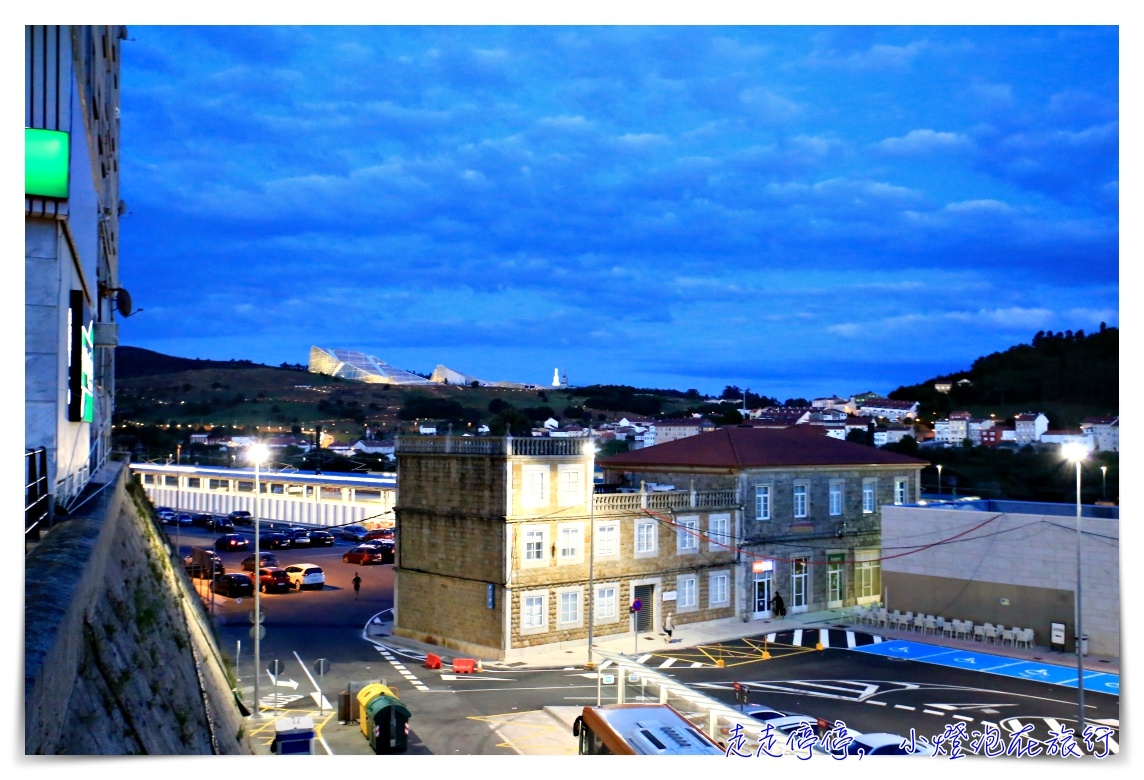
(803,211)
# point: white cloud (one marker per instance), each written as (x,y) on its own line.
(925,142)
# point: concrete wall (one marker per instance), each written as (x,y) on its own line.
(119,654)
(1026,560)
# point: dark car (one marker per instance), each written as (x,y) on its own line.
(228,542)
(272,578)
(265,559)
(185,518)
(321,538)
(241,517)
(364,555)
(201,520)
(299,537)
(233,585)
(275,541)
(220,523)
(203,564)
(378,534)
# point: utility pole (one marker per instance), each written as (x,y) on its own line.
(318,445)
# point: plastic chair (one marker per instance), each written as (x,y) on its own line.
(979,633)
(931,624)
(1024,638)
(1009,635)
(965,631)
(883,618)
(946,627)
(990,634)
(919,622)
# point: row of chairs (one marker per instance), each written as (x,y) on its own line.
(988,633)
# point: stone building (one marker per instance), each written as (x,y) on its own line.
(809,508)
(503,548)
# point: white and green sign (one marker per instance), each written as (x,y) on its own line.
(46,156)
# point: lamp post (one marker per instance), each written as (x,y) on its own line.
(591,551)
(939,480)
(1104,483)
(1076,453)
(257,454)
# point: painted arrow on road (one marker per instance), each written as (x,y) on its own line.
(284,683)
(475,677)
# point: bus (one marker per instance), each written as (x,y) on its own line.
(640,730)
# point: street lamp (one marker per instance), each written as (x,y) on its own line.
(939,480)
(256,455)
(1104,483)
(591,551)
(1076,453)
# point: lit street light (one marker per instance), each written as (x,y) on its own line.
(257,454)
(1104,483)
(1076,453)
(939,480)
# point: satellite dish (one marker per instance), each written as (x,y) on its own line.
(123,302)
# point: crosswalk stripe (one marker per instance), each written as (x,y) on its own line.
(643,658)
(667,663)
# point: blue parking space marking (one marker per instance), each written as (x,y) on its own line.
(1055,674)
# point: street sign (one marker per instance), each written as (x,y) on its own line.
(258,632)
(321,666)
(257,617)
(637,605)
(275,667)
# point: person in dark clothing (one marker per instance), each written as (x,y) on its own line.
(357,585)
(778,605)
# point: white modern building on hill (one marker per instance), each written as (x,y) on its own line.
(349,364)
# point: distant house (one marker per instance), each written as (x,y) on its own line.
(427,430)
(888,408)
(1105,432)
(374,447)
(1029,426)
(892,434)
(1067,438)
(997,435)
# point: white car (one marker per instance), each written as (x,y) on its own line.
(306,575)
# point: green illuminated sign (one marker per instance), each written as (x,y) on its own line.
(81,361)
(46,156)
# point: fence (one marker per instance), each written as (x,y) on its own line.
(37,503)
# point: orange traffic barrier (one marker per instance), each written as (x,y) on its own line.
(432,661)
(464,665)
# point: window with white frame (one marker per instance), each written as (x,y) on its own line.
(899,491)
(645,538)
(801,499)
(869,489)
(533,612)
(687,592)
(867,574)
(568,608)
(534,540)
(607,540)
(719,589)
(607,603)
(687,534)
(836,498)
(534,487)
(762,502)
(570,542)
(719,532)
(570,479)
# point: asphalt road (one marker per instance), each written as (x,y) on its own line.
(500,711)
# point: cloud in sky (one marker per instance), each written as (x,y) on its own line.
(801,210)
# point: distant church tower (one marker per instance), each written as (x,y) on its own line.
(564,381)
(556,377)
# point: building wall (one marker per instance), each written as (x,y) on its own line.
(1027,559)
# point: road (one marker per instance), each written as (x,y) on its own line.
(500,711)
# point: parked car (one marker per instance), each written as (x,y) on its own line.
(272,578)
(185,518)
(299,537)
(241,517)
(233,585)
(379,533)
(201,520)
(319,538)
(306,575)
(274,541)
(363,555)
(220,523)
(265,559)
(166,516)
(228,542)
(203,564)
(353,533)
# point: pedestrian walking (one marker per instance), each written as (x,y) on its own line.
(668,625)
(778,605)
(357,585)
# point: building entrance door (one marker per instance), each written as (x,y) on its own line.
(645,618)
(762,595)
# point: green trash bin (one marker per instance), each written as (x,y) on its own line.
(388,729)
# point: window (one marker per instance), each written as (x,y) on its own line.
(719,532)
(194,482)
(607,540)
(571,484)
(606,605)
(687,534)
(534,490)
(869,487)
(568,613)
(720,588)
(645,538)
(686,597)
(571,545)
(899,491)
(533,612)
(174,481)
(218,484)
(535,540)
(762,502)
(801,504)
(835,498)
(867,574)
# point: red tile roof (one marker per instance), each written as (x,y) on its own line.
(751,447)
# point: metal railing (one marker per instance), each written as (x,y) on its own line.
(37,503)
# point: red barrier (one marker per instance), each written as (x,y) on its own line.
(432,661)
(464,665)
